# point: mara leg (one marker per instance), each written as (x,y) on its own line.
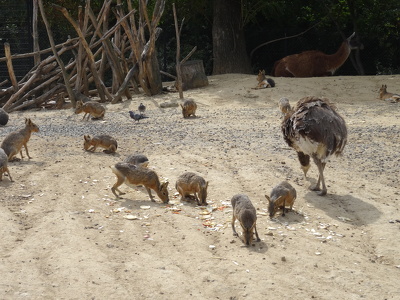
(283,208)
(13,157)
(197,198)
(26,150)
(255,231)
(9,175)
(151,196)
(233,225)
(120,180)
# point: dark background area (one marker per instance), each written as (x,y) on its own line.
(378,28)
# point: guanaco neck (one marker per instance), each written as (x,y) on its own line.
(337,59)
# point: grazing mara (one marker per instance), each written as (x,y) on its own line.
(263,81)
(314,63)
(4,165)
(132,175)
(90,108)
(103,141)
(244,211)
(191,183)
(189,108)
(385,95)
(281,196)
(314,129)
(13,142)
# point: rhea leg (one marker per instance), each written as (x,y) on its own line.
(321,179)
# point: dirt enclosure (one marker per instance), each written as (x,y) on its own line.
(65,235)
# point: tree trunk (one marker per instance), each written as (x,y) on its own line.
(229,47)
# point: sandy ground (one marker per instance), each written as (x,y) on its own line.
(65,236)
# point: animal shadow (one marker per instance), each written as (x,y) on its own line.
(136,204)
(291,217)
(345,208)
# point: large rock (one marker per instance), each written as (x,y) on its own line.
(3,117)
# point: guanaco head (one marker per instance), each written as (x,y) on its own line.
(86,143)
(32,126)
(354,43)
(163,192)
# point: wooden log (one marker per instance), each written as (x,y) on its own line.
(43,98)
(124,85)
(112,58)
(193,74)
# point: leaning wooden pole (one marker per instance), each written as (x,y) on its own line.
(10,67)
(99,84)
(178,54)
(53,47)
(35,35)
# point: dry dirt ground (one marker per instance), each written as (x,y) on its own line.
(65,236)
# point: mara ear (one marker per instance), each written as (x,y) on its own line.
(181,105)
(165,184)
(269,200)
(263,72)
(86,137)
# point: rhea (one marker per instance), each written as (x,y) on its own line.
(315,129)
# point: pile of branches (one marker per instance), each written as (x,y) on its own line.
(126,50)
